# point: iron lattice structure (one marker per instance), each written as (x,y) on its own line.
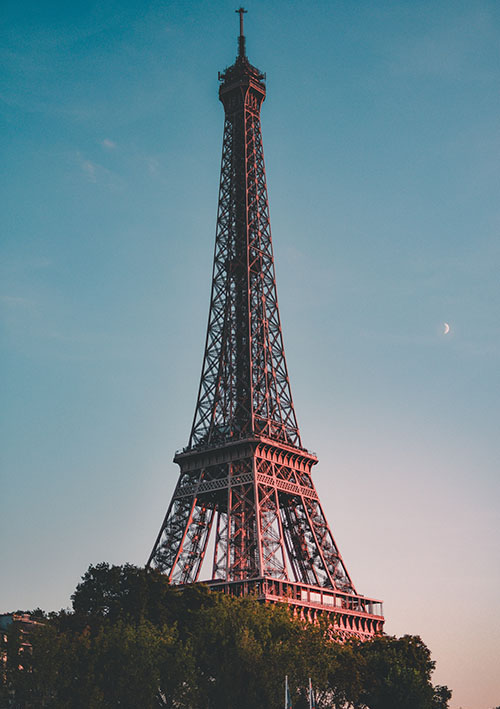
(245,479)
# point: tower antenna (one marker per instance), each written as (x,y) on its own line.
(241,39)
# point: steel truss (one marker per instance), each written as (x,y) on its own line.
(245,479)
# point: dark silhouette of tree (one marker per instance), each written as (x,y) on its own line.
(397,673)
(441,697)
(132,641)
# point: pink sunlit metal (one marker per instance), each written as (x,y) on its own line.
(245,477)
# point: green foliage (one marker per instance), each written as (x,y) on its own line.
(244,651)
(396,673)
(441,697)
(134,641)
(126,593)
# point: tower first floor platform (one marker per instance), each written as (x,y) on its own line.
(349,615)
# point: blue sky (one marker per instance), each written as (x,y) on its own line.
(381,136)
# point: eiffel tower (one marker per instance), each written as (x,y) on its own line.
(245,498)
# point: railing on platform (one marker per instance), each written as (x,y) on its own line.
(300,594)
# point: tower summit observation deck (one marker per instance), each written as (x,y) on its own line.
(245,489)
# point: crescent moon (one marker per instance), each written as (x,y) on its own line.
(446,328)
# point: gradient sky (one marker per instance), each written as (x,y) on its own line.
(381,136)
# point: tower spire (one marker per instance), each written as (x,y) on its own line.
(241,39)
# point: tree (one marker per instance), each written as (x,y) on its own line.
(133,640)
(123,665)
(396,673)
(243,651)
(441,697)
(127,593)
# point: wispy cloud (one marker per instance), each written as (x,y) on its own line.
(14,301)
(153,165)
(108,144)
(98,174)
(89,168)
